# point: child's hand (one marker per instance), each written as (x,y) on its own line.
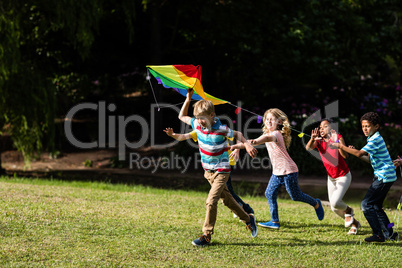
(351,147)
(397,162)
(334,136)
(314,134)
(334,145)
(190,92)
(251,150)
(169,131)
(252,141)
(235,155)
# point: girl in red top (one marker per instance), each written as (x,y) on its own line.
(339,177)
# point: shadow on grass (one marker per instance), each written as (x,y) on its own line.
(319,228)
(294,242)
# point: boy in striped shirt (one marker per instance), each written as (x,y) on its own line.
(376,153)
(212,135)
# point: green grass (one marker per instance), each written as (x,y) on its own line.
(82,224)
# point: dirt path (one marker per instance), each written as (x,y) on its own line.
(77,163)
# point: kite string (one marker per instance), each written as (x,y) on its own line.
(244,109)
(167,106)
(153,92)
(398,209)
(262,117)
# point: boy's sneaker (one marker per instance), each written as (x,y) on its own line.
(252,226)
(249,210)
(203,240)
(374,238)
(394,236)
(320,210)
(270,224)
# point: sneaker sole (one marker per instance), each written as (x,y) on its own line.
(194,244)
(271,227)
(256,230)
(256,233)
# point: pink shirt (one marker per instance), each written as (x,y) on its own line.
(282,164)
(332,159)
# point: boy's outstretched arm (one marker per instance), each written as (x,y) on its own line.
(179,137)
(183,115)
(363,155)
(342,152)
(335,138)
(246,145)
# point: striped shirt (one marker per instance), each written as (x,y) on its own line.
(282,163)
(380,159)
(232,162)
(213,146)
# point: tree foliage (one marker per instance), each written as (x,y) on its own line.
(56,53)
(43,44)
(269,47)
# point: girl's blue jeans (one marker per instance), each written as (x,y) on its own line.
(292,187)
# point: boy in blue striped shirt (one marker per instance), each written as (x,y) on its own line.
(376,153)
(212,135)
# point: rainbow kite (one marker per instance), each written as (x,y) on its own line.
(181,78)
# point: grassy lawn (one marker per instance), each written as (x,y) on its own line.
(81,224)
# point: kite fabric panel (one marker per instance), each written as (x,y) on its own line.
(181,78)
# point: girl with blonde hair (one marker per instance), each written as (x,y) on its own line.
(277,139)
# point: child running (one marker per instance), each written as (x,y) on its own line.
(211,136)
(376,153)
(339,176)
(233,158)
(276,136)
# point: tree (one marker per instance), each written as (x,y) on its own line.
(264,53)
(42,46)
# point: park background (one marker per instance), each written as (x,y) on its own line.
(299,56)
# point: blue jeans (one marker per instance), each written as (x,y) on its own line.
(372,208)
(292,187)
(245,206)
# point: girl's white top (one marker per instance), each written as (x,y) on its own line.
(282,163)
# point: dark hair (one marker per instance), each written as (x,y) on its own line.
(372,117)
(329,120)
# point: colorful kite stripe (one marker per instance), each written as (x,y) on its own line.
(181,78)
